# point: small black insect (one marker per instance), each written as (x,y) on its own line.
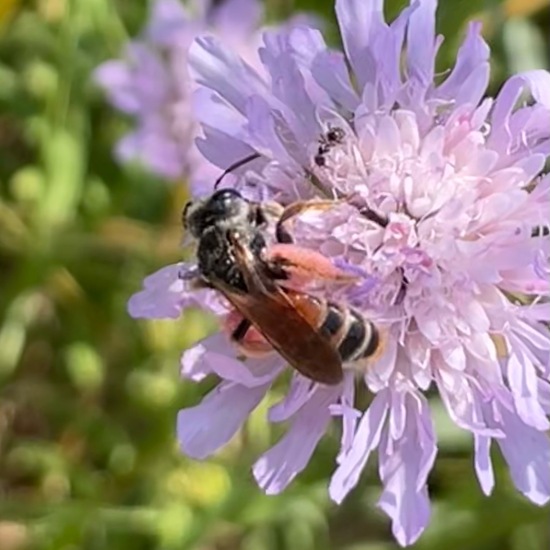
(334,136)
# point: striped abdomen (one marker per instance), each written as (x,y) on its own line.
(351,334)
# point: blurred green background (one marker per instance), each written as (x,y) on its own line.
(88,457)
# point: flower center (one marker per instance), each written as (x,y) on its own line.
(417,195)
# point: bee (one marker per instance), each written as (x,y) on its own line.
(334,136)
(258,278)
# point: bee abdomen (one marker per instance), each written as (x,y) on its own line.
(354,340)
(333,321)
(353,336)
(374,343)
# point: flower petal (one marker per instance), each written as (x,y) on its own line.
(483,464)
(473,53)
(283,462)
(462,400)
(289,85)
(217,68)
(527,452)
(366,439)
(360,23)
(162,296)
(421,45)
(330,72)
(222,149)
(349,414)
(538,82)
(237,18)
(300,391)
(217,355)
(169,23)
(404,467)
(152,146)
(166,294)
(115,78)
(522,377)
(205,428)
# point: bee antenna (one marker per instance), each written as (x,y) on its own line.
(236,165)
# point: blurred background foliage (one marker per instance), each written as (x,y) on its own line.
(88,457)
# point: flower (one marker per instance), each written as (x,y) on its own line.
(151,83)
(440,191)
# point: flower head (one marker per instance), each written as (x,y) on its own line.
(152,85)
(441,190)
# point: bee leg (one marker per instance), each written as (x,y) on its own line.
(282,235)
(302,265)
(248,339)
(200,283)
(267,211)
(317,183)
(240,330)
(296,208)
(374,216)
(401,293)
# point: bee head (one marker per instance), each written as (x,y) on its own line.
(224,207)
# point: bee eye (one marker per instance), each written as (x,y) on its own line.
(226,195)
(225,202)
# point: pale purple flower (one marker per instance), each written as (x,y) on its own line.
(452,184)
(152,85)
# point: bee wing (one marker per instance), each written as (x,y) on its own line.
(286,319)
(284,327)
